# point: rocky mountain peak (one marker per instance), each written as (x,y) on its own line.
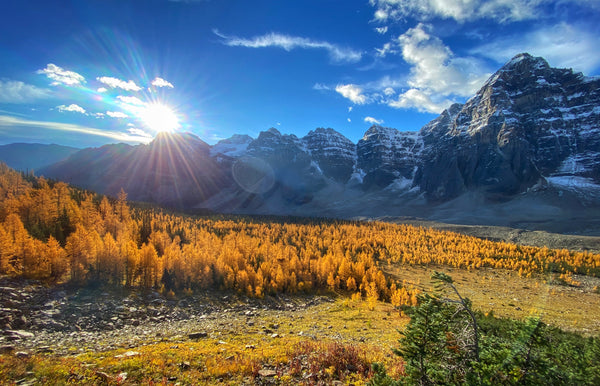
(234,146)
(527,121)
(378,130)
(237,139)
(333,153)
(524,62)
(274,131)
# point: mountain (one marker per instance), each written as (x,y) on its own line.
(386,154)
(529,123)
(33,156)
(523,151)
(174,170)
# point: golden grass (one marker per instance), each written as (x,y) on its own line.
(506,294)
(236,354)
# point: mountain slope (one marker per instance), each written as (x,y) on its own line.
(33,156)
(173,170)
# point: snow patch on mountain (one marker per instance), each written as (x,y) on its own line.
(236,146)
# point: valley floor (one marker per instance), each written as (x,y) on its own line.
(84,336)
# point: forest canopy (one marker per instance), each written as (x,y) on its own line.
(57,233)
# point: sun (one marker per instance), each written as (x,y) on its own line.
(159,118)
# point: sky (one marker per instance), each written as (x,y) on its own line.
(90,72)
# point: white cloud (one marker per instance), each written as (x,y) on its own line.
(160,82)
(14,91)
(436,77)
(349,120)
(352,92)
(102,89)
(61,76)
(459,10)
(131,100)
(563,45)
(350,109)
(373,121)
(288,43)
(417,99)
(435,68)
(381,30)
(11,122)
(381,14)
(116,114)
(118,83)
(72,108)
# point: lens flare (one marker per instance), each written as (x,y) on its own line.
(159,118)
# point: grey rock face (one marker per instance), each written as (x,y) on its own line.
(333,153)
(294,170)
(528,121)
(385,154)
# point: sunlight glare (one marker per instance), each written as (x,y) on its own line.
(159,118)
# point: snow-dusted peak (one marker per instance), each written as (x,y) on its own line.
(324,132)
(525,60)
(234,146)
(379,131)
(334,153)
(274,131)
(325,136)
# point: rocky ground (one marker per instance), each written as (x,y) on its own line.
(62,320)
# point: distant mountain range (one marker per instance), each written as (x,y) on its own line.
(523,152)
(32,156)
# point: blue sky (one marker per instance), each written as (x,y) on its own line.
(86,73)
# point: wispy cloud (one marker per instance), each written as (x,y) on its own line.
(321,87)
(72,108)
(9,123)
(61,76)
(131,100)
(563,45)
(116,114)
(139,132)
(160,82)
(14,91)
(459,10)
(373,121)
(381,30)
(118,83)
(288,43)
(352,92)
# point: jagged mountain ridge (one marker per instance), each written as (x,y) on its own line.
(529,121)
(530,127)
